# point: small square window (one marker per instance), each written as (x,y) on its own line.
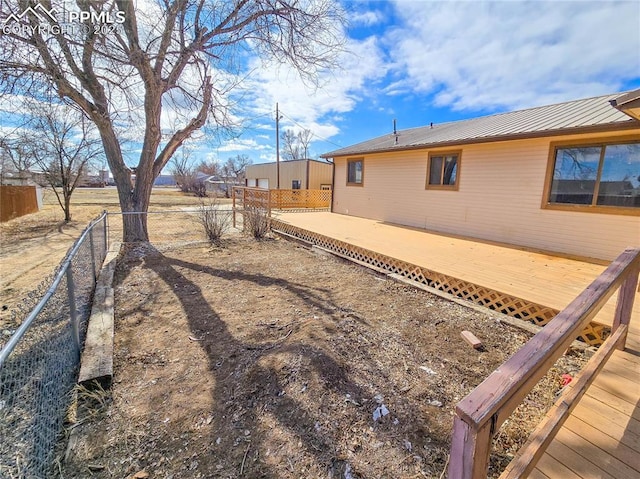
(355,172)
(443,170)
(295,185)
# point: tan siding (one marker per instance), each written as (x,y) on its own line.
(319,173)
(499,199)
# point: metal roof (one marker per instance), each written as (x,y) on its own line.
(590,114)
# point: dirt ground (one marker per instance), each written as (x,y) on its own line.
(266,360)
(32,246)
(269,360)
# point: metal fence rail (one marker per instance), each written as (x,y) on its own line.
(39,362)
(40,357)
(169,227)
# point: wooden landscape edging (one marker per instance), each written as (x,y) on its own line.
(592,334)
(481,413)
(96,363)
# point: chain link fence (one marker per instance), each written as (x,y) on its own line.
(174,228)
(40,356)
(40,347)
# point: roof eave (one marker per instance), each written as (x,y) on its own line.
(630,125)
(629,104)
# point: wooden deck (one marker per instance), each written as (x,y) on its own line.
(601,439)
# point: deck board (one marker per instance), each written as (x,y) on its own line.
(541,278)
(601,439)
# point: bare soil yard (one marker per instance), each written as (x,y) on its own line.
(32,246)
(268,360)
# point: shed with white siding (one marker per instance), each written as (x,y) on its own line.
(562,178)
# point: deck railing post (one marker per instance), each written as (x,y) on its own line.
(624,304)
(470,447)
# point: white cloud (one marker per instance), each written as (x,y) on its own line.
(305,106)
(476,55)
(239,144)
(368,18)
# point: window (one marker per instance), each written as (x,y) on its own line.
(594,176)
(442,170)
(355,171)
(295,185)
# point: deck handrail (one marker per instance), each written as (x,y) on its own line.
(481,413)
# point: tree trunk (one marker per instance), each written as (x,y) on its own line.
(134,199)
(67,208)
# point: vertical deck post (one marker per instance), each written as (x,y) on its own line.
(470,447)
(624,304)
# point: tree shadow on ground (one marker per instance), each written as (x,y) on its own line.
(249,384)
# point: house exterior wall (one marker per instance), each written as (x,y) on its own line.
(499,198)
(318,173)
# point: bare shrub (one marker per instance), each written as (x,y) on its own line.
(256,221)
(215,221)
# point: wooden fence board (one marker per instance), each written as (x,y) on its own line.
(16,201)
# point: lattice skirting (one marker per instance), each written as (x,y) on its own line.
(504,303)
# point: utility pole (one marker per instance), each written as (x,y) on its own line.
(277,148)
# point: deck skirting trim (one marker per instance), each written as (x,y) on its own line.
(520,308)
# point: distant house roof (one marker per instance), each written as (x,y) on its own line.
(590,114)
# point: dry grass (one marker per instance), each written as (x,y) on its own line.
(263,359)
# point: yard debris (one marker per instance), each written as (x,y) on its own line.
(380,412)
(471,338)
(566,379)
(428,370)
(193,338)
(407,445)
(139,475)
(347,472)
(350,400)
(435,403)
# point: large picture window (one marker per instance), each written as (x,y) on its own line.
(355,172)
(443,170)
(604,175)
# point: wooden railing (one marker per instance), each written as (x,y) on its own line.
(281,199)
(481,413)
(293,199)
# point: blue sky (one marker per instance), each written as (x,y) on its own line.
(437,61)
(423,61)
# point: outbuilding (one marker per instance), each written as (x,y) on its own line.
(294,175)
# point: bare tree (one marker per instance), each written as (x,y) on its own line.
(210,168)
(296,146)
(304,140)
(183,172)
(178,55)
(63,144)
(233,172)
(14,155)
(290,146)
